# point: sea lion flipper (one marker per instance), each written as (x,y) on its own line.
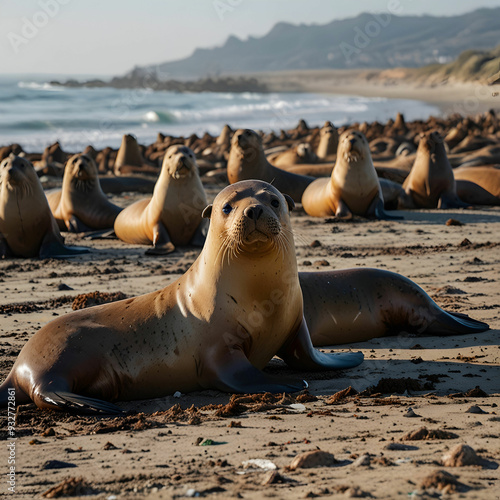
(53,246)
(343,211)
(300,354)
(4,248)
(161,241)
(235,373)
(449,200)
(200,235)
(451,323)
(75,403)
(75,225)
(377,209)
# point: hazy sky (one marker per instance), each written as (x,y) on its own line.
(111,36)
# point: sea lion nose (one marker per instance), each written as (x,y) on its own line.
(253,212)
(11,170)
(352,141)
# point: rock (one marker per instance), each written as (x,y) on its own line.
(311,459)
(459,456)
(423,434)
(410,413)
(362,461)
(443,481)
(475,409)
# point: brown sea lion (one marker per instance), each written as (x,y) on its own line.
(173,215)
(328,143)
(430,183)
(81,205)
(129,159)
(478,185)
(27,226)
(302,153)
(352,189)
(354,305)
(216,327)
(248,161)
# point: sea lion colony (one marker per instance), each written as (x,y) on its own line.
(396,150)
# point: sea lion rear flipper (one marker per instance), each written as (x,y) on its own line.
(233,372)
(101,234)
(4,248)
(299,353)
(161,241)
(451,323)
(75,403)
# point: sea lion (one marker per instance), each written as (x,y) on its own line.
(27,226)
(478,185)
(173,215)
(352,189)
(302,153)
(430,183)
(216,327)
(248,161)
(81,205)
(354,305)
(129,159)
(328,143)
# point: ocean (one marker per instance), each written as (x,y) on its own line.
(35,114)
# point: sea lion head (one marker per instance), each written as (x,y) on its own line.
(304,150)
(430,142)
(353,146)
(17,174)
(180,162)
(81,168)
(251,217)
(247,142)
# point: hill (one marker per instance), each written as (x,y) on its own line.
(366,41)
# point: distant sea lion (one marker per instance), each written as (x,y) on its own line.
(328,143)
(248,161)
(81,204)
(27,227)
(478,185)
(302,153)
(173,215)
(352,189)
(430,183)
(216,327)
(129,159)
(354,305)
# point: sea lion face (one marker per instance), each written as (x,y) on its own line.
(246,139)
(17,174)
(429,142)
(352,146)
(252,217)
(81,167)
(180,162)
(304,150)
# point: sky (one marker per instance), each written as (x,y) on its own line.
(109,37)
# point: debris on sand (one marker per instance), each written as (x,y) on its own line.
(340,395)
(477,392)
(72,487)
(442,480)
(397,386)
(96,298)
(423,434)
(476,409)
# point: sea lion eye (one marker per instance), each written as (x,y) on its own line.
(275,203)
(227,208)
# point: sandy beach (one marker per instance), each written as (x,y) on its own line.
(452,97)
(197,444)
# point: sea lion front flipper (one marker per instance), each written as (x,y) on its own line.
(75,403)
(450,200)
(299,353)
(4,248)
(200,235)
(233,372)
(161,241)
(343,211)
(376,209)
(53,246)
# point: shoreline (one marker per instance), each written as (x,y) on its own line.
(452,97)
